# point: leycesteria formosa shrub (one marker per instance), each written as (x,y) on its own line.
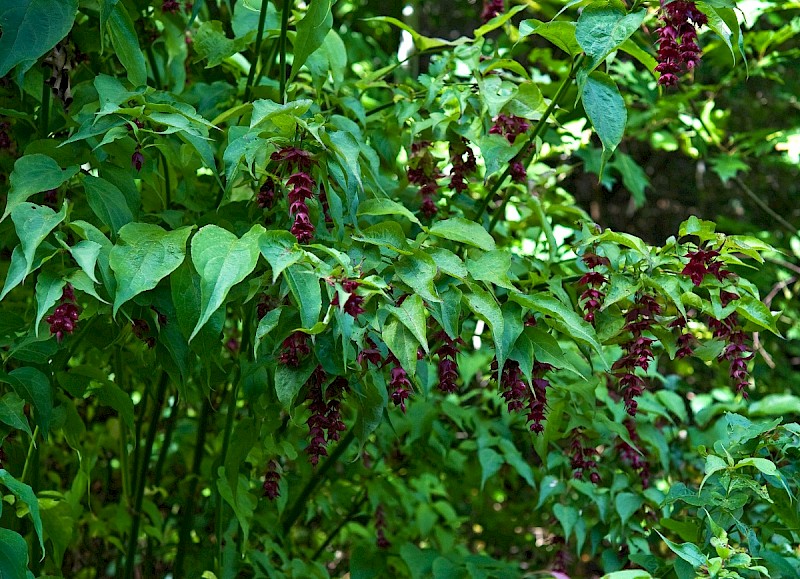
(274,307)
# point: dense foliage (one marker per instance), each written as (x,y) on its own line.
(296,290)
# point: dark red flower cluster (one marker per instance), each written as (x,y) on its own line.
(702,262)
(637,352)
(295,347)
(171,6)
(592,298)
(399,384)
(537,401)
(737,352)
(141,329)
(302,185)
(267,194)
(514,390)
(370,353)
(631,456)
(50,198)
(326,208)
(137,159)
(448,367)
(271,480)
(583,459)
(686,339)
(354,303)
(380,529)
(65,317)
(492,8)
(422,171)
(677,40)
(325,423)
(509,126)
(265,305)
(462,159)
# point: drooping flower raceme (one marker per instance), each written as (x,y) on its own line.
(677,40)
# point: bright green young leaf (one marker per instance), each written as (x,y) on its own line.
(33,385)
(30,29)
(144,255)
(48,291)
(33,223)
(126,45)
(222,260)
(420,42)
(498,21)
(304,285)
(412,314)
(107,202)
(33,174)
(756,312)
(558,32)
(386,207)
(311,32)
(25,493)
(606,110)
(211,44)
(463,231)
(689,552)
(714,464)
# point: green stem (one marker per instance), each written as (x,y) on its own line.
(156,75)
(184,535)
(297,508)
(266,67)
(168,430)
(31,447)
(141,479)
(262,17)
(282,48)
(167,183)
(537,130)
(226,438)
(348,517)
(123,431)
(44,111)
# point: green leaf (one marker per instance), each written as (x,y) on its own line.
(222,260)
(289,381)
(417,272)
(126,45)
(567,516)
(627,504)
(402,343)
(265,326)
(33,223)
(718,21)
(25,493)
(703,229)
(33,174)
(371,401)
(547,349)
(386,207)
(145,255)
(463,231)
(412,314)
(602,27)
(448,262)
(311,32)
(85,253)
(714,464)
(483,305)
(304,285)
(490,461)
(33,385)
(48,291)
(59,524)
(211,44)
(606,110)
(13,555)
(628,574)
(689,552)
(107,202)
(492,267)
(558,32)
(755,311)
(12,413)
(280,249)
(633,177)
(498,21)
(387,234)
(421,42)
(114,397)
(31,28)
(240,500)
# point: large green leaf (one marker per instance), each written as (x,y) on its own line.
(402,343)
(222,260)
(412,314)
(13,555)
(30,29)
(126,45)
(107,202)
(32,385)
(484,305)
(240,499)
(33,223)
(289,381)
(606,110)
(12,412)
(417,272)
(279,248)
(386,207)
(145,255)
(463,231)
(304,285)
(311,32)
(48,291)
(33,174)
(210,43)
(603,26)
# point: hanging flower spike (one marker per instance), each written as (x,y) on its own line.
(677,40)
(380,529)
(65,317)
(271,480)
(294,348)
(631,456)
(448,366)
(295,158)
(461,166)
(422,171)
(399,384)
(267,194)
(137,159)
(592,298)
